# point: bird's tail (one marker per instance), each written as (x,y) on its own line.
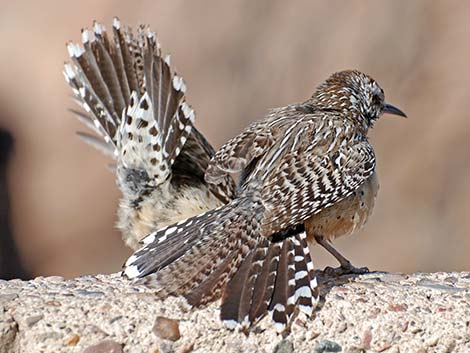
(222,253)
(275,278)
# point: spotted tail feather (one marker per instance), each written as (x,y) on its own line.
(276,278)
(265,280)
(236,301)
(306,286)
(247,295)
(278,308)
(296,284)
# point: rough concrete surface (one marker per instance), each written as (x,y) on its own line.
(377,312)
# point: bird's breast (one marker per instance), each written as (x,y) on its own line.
(346,216)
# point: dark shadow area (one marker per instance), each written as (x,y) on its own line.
(10,262)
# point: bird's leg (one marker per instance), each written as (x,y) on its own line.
(345,265)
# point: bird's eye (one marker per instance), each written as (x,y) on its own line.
(376,100)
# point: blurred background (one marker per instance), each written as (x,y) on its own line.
(240,58)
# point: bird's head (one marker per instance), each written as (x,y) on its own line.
(352,90)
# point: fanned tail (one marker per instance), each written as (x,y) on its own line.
(247,295)
(275,278)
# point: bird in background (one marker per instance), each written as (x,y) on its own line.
(136,107)
(307,175)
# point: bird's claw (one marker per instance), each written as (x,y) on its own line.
(347,269)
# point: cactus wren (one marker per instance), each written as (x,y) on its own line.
(307,173)
(138,106)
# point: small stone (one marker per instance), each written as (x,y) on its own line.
(404,326)
(327,346)
(166,328)
(343,326)
(397,307)
(366,339)
(107,346)
(311,335)
(53,303)
(187,348)
(433,341)
(451,279)
(9,333)
(166,347)
(33,320)
(374,312)
(87,293)
(72,340)
(383,348)
(116,318)
(355,349)
(284,346)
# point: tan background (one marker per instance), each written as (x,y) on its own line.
(238,59)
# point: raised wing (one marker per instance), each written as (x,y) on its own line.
(134,104)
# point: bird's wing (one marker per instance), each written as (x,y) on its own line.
(192,162)
(137,105)
(103,74)
(310,179)
(241,152)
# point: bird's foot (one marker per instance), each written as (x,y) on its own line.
(345,269)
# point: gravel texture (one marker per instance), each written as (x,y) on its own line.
(377,312)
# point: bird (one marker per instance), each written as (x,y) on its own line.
(136,108)
(307,173)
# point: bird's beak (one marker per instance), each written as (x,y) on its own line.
(388,108)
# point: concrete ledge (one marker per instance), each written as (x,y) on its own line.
(377,312)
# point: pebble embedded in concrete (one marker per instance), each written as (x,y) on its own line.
(166,328)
